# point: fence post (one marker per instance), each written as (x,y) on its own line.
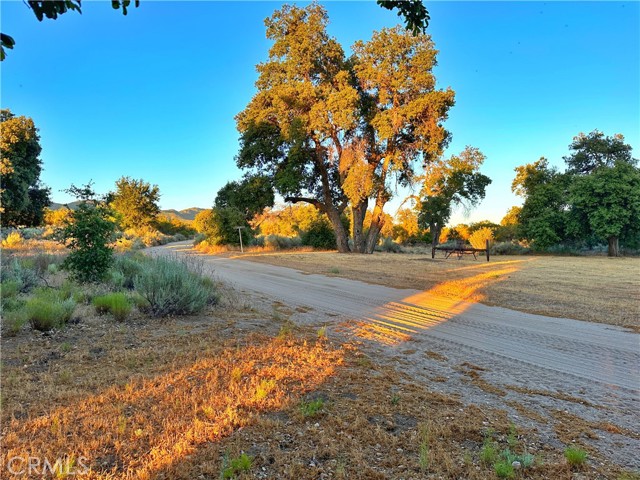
(487,250)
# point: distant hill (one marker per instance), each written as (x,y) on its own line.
(187,215)
(71,205)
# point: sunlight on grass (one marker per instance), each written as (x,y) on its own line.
(150,425)
(395,322)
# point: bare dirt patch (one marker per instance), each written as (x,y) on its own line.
(597,289)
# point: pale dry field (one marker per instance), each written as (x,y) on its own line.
(597,289)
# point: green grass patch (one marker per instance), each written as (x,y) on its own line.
(117,304)
(312,407)
(575,456)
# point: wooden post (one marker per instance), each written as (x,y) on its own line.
(487,250)
(433,252)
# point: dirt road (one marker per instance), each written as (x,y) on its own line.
(595,367)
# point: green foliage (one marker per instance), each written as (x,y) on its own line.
(250,196)
(124,270)
(22,199)
(509,248)
(389,246)
(575,456)
(279,242)
(416,16)
(9,289)
(311,408)
(598,197)
(233,467)
(609,199)
(88,235)
(18,271)
(135,202)
(47,310)
(456,181)
(595,150)
(220,226)
(174,286)
(488,454)
(504,469)
(14,320)
(117,304)
(319,235)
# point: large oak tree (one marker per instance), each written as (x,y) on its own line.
(340,132)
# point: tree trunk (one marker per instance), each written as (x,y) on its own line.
(342,237)
(435,234)
(358,213)
(377,222)
(614,250)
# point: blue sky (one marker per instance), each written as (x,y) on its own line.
(153,95)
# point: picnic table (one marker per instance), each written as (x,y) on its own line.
(460,249)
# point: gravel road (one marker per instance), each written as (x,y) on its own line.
(597,363)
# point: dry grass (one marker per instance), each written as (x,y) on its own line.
(173,399)
(597,289)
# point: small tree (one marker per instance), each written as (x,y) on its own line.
(220,226)
(88,233)
(135,202)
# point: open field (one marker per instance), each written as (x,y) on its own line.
(186,398)
(596,289)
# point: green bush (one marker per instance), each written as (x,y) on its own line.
(389,246)
(22,272)
(279,242)
(89,234)
(504,469)
(124,270)
(509,248)
(14,321)
(9,289)
(47,310)
(174,286)
(117,304)
(319,235)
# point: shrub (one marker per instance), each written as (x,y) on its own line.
(279,242)
(124,270)
(13,240)
(174,286)
(89,234)
(9,289)
(14,321)
(48,311)
(509,248)
(199,238)
(504,469)
(20,272)
(389,246)
(478,239)
(115,303)
(319,235)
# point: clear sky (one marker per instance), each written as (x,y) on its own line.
(153,95)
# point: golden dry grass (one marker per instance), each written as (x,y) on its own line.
(596,289)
